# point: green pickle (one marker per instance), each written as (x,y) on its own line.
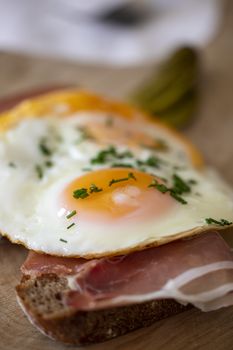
(172,93)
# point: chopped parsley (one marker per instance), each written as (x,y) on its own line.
(177,197)
(160,187)
(121,165)
(83,192)
(110,154)
(94,188)
(126,154)
(179,187)
(49,163)
(221,222)
(63,240)
(45,150)
(39,171)
(151,161)
(80,193)
(104,155)
(12,164)
(192,182)
(71,214)
(71,225)
(130,176)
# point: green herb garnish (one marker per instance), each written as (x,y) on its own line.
(160,187)
(49,163)
(71,225)
(80,193)
(63,240)
(83,192)
(45,150)
(130,176)
(179,187)
(178,197)
(192,182)
(12,164)
(94,188)
(39,171)
(110,154)
(126,154)
(121,165)
(74,212)
(151,161)
(221,222)
(103,155)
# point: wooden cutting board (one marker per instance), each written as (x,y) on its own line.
(212,132)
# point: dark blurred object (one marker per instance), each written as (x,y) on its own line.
(172,94)
(126,15)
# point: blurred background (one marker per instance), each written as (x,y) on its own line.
(172,58)
(113,32)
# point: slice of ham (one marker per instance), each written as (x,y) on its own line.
(197,271)
(37,264)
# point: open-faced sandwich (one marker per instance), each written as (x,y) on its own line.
(120,213)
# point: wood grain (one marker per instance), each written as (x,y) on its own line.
(212,132)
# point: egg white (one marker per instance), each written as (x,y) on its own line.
(31,213)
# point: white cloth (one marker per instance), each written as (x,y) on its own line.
(71,29)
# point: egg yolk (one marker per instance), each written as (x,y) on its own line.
(112,194)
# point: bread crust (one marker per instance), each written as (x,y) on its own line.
(41,300)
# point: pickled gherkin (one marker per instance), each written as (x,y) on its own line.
(172,92)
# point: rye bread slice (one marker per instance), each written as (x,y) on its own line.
(41,300)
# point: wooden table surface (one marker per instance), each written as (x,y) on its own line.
(212,132)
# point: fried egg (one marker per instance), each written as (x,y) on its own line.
(85,177)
